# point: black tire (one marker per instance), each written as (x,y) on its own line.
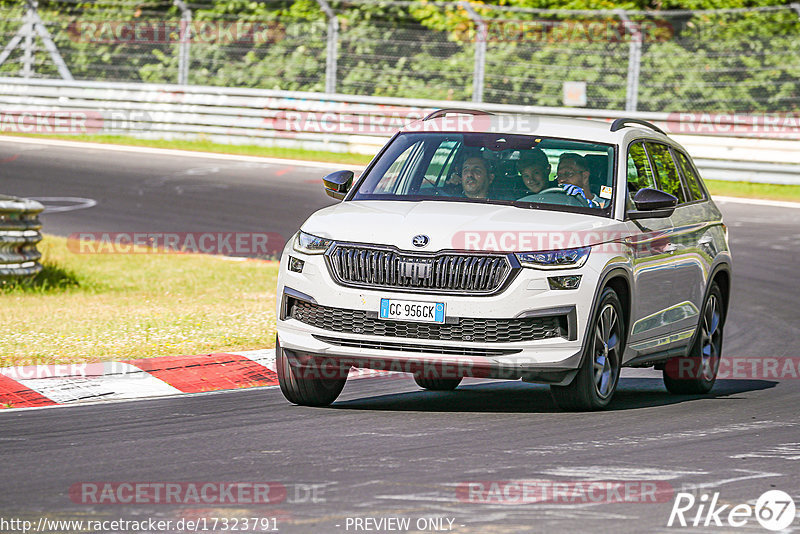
(306,390)
(697,372)
(437,384)
(596,381)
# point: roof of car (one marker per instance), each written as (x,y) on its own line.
(598,131)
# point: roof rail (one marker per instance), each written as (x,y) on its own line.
(621,123)
(442,112)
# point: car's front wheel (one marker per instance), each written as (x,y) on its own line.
(596,381)
(696,373)
(437,384)
(308,387)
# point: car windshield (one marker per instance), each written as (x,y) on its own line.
(521,170)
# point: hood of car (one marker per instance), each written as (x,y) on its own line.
(459,226)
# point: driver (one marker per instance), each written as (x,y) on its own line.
(573,177)
(475,178)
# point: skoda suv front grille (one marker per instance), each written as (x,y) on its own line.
(446,272)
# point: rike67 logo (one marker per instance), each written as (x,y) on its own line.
(774,510)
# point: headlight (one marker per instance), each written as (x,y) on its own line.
(570,258)
(310,244)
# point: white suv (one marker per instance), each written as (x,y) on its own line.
(550,250)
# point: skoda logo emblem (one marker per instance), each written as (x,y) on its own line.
(420,240)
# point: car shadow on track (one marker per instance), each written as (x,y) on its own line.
(519,397)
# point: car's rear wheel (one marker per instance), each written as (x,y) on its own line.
(696,373)
(308,387)
(437,384)
(596,381)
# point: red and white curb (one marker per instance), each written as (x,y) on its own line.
(49,385)
(52,385)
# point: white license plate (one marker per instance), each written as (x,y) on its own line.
(409,310)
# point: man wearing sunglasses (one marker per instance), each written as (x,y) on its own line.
(573,176)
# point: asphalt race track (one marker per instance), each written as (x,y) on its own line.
(387,449)
(137,192)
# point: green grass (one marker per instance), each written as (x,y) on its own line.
(208,146)
(753,190)
(101,307)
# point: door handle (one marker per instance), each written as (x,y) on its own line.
(672,247)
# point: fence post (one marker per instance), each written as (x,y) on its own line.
(13,43)
(184,45)
(634,62)
(479,69)
(331,51)
(49,45)
(34,25)
(27,55)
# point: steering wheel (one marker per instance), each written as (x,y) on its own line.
(551,190)
(554,195)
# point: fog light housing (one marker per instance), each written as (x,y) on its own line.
(296,265)
(564,282)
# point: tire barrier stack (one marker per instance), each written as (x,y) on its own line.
(19,235)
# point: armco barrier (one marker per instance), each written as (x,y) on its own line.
(725,147)
(19,234)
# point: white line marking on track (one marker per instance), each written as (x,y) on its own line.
(785,451)
(717,483)
(176,152)
(635,441)
(595,472)
(758,202)
(51,204)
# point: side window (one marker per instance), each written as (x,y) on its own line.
(639,173)
(440,165)
(398,174)
(665,170)
(690,177)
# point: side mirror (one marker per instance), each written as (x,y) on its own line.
(652,203)
(338,183)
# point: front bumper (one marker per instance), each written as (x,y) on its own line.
(549,360)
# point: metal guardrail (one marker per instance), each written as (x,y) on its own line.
(726,147)
(19,235)
(647,60)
